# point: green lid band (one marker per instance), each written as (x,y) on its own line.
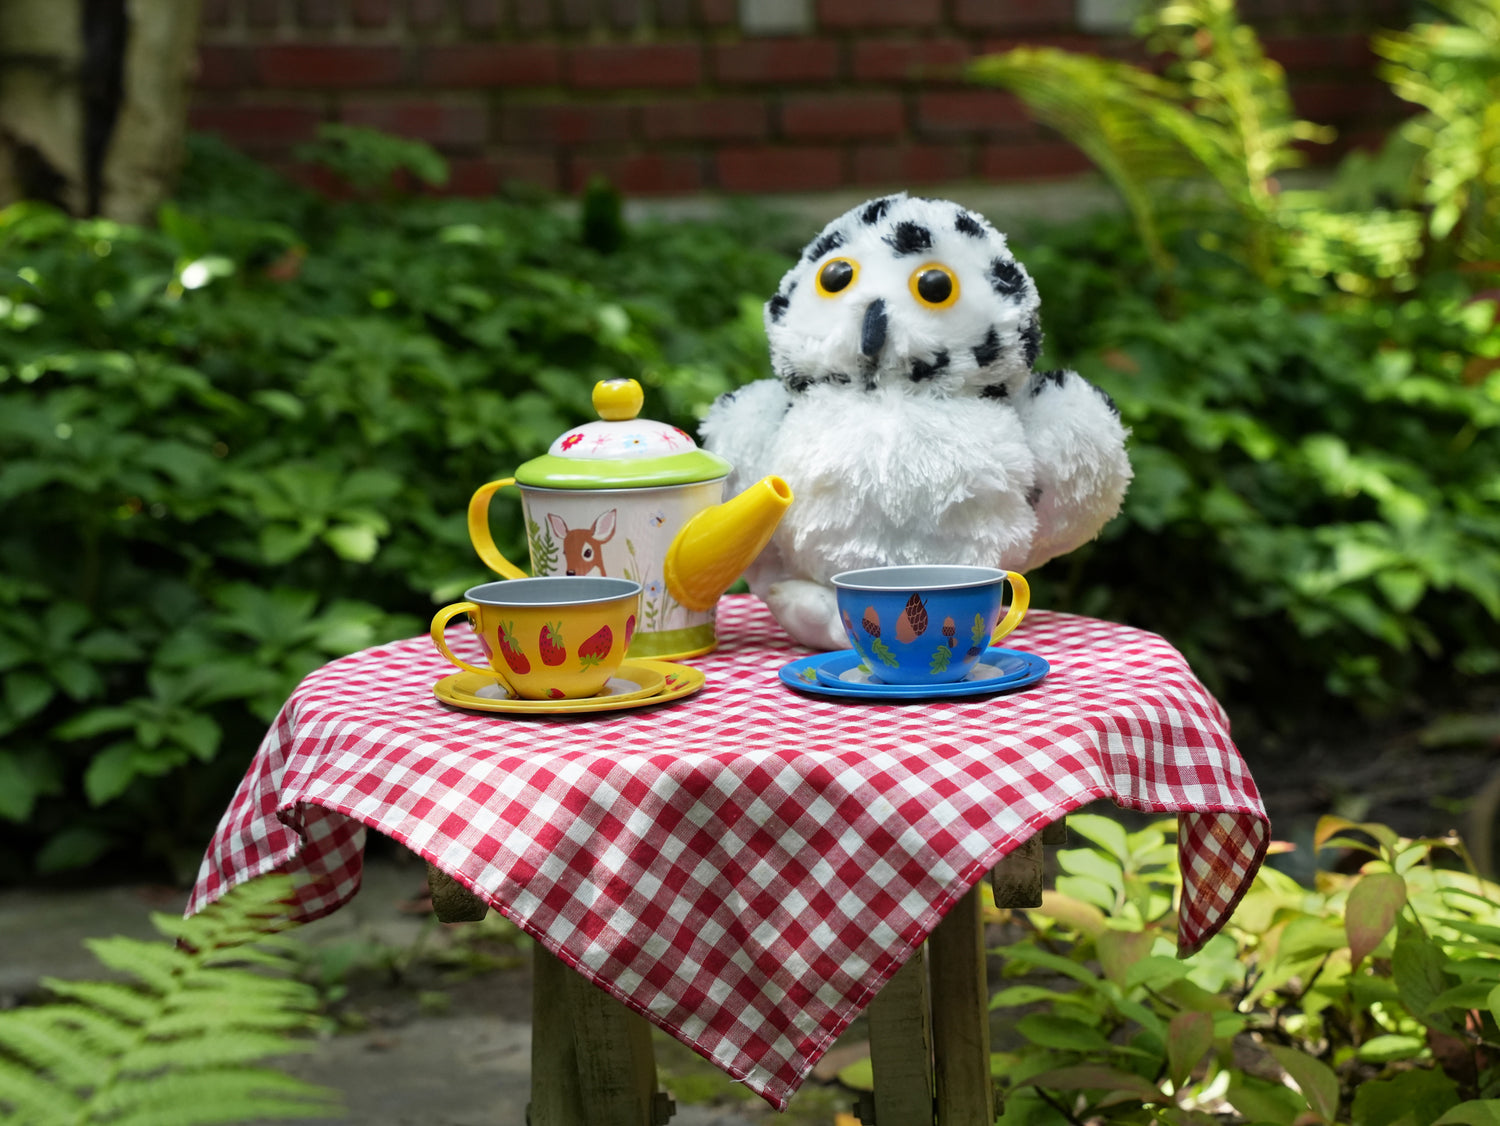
(552,472)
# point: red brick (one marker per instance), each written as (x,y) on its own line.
(318,13)
(909,60)
(217,13)
(1082,44)
(1342,101)
(489,64)
(291,65)
(576,14)
(1320,52)
(624,14)
(1035,160)
(263,13)
(674,13)
(318,177)
(640,174)
(220,68)
(444,124)
(479,15)
(426,13)
(970,111)
(718,119)
(485,175)
(828,117)
(766,61)
(372,13)
(718,13)
(257,127)
(616,66)
(904,14)
(910,164)
(532,15)
(779,169)
(554,124)
(1013,15)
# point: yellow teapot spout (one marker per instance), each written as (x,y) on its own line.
(717,544)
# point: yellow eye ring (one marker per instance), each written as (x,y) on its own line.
(836,276)
(934,285)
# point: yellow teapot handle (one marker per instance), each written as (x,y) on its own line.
(1020,602)
(479,530)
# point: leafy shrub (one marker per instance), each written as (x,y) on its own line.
(181,1041)
(1370,999)
(1314,415)
(241,444)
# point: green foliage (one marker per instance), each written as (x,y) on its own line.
(242,443)
(1321,476)
(1452,69)
(179,1044)
(1368,1000)
(1196,151)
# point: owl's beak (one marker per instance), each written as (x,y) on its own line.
(872,335)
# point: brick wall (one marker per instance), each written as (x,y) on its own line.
(685,96)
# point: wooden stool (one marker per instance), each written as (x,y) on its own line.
(592,1062)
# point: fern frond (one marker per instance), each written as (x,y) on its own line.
(177,1048)
(223,1095)
(1119,115)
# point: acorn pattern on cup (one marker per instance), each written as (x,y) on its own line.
(912,623)
(871,622)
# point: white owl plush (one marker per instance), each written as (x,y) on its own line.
(906,416)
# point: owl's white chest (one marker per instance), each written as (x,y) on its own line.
(892,477)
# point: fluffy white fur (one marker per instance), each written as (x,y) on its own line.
(936,442)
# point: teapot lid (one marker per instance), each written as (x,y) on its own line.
(621,451)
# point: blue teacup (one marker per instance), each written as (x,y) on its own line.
(927,624)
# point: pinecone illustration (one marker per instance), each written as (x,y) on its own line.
(871,621)
(913,621)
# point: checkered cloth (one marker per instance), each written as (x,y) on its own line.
(747,866)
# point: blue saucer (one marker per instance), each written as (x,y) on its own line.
(839,674)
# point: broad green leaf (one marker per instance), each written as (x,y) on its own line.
(1385,1049)
(1189,1036)
(1493,1001)
(354,542)
(1094,1077)
(27,693)
(1260,1100)
(1476,1112)
(110,772)
(1418,1095)
(1314,1078)
(1417,964)
(1082,917)
(859,1075)
(1371,910)
(74,847)
(1051,1031)
(1329,824)
(1120,950)
(1108,834)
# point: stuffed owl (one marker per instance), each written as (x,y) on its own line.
(906,416)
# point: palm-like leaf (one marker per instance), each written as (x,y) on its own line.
(175,1048)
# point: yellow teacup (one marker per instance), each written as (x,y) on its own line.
(560,637)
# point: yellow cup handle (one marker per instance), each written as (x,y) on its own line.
(1020,602)
(479,531)
(440,621)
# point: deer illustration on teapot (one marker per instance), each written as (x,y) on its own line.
(583,548)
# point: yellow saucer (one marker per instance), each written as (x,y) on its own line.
(636,684)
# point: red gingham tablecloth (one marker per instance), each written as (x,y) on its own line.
(748,866)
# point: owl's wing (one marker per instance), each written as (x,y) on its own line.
(1082,469)
(741,427)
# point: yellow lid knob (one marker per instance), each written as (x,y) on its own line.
(618,400)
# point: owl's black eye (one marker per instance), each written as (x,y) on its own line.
(934,286)
(836,276)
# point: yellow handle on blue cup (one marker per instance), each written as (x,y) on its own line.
(479,530)
(440,622)
(1020,602)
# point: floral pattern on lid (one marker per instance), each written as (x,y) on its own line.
(620,435)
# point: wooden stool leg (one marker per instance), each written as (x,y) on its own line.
(961,1018)
(901,1047)
(556,1098)
(451,901)
(616,1065)
(1017,879)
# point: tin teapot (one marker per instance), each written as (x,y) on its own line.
(630,498)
